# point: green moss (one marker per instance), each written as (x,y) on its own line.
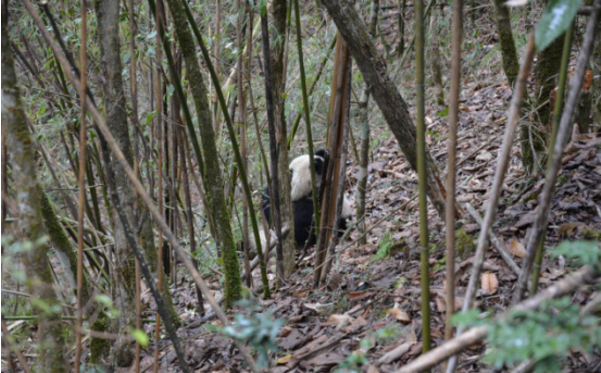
(60,241)
(591,234)
(99,347)
(531,197)
(511,64)
(464,243)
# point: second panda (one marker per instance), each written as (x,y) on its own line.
(302,198)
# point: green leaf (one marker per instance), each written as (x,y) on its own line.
(556,19)
(140,337)
(104,299)
(443,113)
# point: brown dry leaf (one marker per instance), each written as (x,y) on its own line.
(517,248)
(301,293)
(328,358)
(340,321)
(313,306)
(284,359)
(526,219)
(441,305)
(588,80)
(484,156)
(284,331)
(400,315)
(567,228)
(292,340)
(490,283)
(357,324)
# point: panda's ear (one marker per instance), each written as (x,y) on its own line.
(319,165)
(323,153)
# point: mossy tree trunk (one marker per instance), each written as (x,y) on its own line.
(62,246)
(434,55)
(116,118)
(534,135)
(511,64)
(596,88)
(30,224)
(278,41)
(212,178)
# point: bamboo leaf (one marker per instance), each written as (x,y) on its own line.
(556,19)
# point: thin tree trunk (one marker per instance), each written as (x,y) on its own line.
(30,225)
(434,55)
(452,161)
(596,67)
(511,64)
(363,119)
(241,27)
(422,171)
(108,18)
(279,11)
(189,215)
(212,179)
(535,133)
(401,27)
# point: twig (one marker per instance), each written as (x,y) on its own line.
(495,241)
(469,156)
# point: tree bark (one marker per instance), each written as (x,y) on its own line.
(212,179)
(363,119)
(434,55)
(116,117)
(511,64)
(384,92)
(278,41)
(30,225)
(534,135)
(596,67)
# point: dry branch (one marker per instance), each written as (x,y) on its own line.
(587,275)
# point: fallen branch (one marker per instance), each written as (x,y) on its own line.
(585,276)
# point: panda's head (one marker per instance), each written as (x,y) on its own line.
(300,174)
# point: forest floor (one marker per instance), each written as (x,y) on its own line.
(369,292)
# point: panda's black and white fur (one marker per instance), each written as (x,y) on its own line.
(302,198)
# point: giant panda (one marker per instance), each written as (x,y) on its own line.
(302,198)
